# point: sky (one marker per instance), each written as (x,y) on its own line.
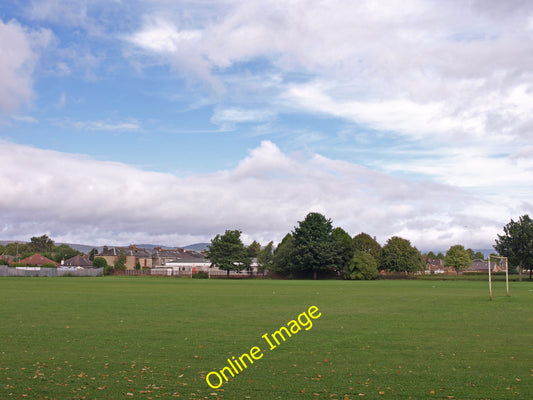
(168,122)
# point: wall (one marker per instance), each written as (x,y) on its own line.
(5,271)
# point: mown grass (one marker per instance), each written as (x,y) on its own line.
(148,338)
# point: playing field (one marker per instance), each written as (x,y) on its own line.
(148,338)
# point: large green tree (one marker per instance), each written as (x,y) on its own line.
(399,255)
(63,252)
(517,243)
(227,252)
(315,250)
(458,258)
(344,246)
(282,257)
(265,258)
(253,249)
(366,243)
(41,244)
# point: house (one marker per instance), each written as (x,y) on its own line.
(434,266)
(78,261)
(180,259)
(482,266)
(133,255)
(163,256)
(37,260)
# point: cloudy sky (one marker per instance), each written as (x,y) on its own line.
(171,121)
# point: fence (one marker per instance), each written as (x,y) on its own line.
(132,272)
(188,274)
(37,271)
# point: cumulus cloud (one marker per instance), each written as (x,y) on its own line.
(75,198)
(20,49)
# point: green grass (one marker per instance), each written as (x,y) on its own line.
(148,338)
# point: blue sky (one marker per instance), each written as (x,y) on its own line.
(171,121)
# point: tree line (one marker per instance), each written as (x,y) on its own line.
(315,249)
(38,244)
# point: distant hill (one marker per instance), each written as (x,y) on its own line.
(151,246)
(4,242)
(199,247)
(85,248)
(196,246)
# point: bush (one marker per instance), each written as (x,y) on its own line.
(200,275)
(100,262)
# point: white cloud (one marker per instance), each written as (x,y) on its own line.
(101,125)
(20,51)
(25,118)
(76,198)
(227,118)
(163,36)
(420,68)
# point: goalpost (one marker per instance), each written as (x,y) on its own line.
(503,260)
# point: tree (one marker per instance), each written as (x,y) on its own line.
(63,252)
(479,256)
(344,247)
(517,244)
(41,244)
(314,247)
(265,258)
(93,253)
(432,256)
(120,264)
(15,249)
(399,255)
(364,242)
(100,262)
(362,267)
(228,253)
(253,249)
(440,256)
(282,257)
(458,258)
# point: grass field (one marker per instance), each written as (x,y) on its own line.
(148,338)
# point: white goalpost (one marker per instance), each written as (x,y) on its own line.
(502,260)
